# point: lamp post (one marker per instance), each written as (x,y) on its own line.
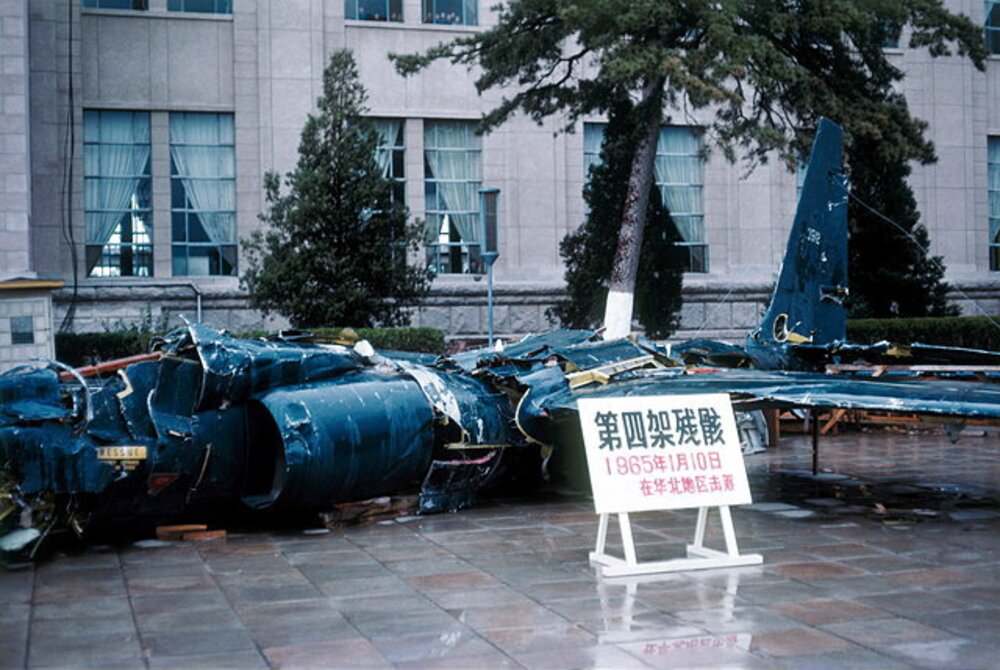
(489,199)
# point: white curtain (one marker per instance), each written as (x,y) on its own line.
(388,131)
(207,168)
(452,150)
(679,175)
(117,152)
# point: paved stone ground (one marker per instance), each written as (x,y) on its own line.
(845,584)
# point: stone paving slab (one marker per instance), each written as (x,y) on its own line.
(507,584)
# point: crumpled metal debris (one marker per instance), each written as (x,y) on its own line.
(291,426)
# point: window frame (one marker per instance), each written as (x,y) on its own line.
(991,32)
(179,248)
(222,7)
(467,255)
(992,223)
(20,337)
(397,159)
(430,16)
(698,258)
(97,4)
(116,247)
(390,16)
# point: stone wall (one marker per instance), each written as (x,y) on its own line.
(459,311)
(15,160)
(725,312)
(38,306)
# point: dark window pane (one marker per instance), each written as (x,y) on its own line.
(395,10)
(178,197)
(993,41)
(229,260)
(179,256)
(179,226)
(373,10)
(117,4)
(22,330)
(196,230)
(398,169)
(203,6)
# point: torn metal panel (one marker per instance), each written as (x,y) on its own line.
(531,348)
(233,370)
(452,485)
(476,413)
(31,395)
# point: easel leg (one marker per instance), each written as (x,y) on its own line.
(699,529)
(602,534)
(728,531)
(627,543)
(814,424)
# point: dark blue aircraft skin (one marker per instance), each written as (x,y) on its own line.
(808,301)
(288,427)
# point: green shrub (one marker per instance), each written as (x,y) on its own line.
(79,349)
(975,332)
(421,340)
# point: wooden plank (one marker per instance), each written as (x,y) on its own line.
(204,535)
(833,419)
(177,532)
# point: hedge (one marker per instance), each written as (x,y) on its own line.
(78,349)
(975,332)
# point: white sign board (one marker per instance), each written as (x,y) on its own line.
(663,452)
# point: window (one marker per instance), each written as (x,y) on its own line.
(117,194)
(452,177)
(994,201)
(680,178)
(454,12)
(117,4)
(374,10)
(593,137)
(891,34)
(390,155)
(800,177)
(680,174)
(202,6)
(22,330)
(203,194)
(992,26)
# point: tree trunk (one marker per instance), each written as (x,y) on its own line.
(621,293)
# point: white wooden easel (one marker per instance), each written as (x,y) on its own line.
(699,557)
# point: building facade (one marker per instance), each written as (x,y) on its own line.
(133,163)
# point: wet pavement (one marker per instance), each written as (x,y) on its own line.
(893,562)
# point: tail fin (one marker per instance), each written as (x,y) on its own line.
(807,305)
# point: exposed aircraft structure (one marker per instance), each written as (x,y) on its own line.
(216,423)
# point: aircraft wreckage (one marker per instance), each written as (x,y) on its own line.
(285,426)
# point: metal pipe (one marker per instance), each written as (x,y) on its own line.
(197,298)
(489,303)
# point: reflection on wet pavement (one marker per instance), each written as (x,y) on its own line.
(891,559)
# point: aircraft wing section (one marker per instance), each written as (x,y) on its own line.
(888,353)
(763,389)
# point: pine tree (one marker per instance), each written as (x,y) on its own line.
(762,72)
(890,273)
(334,247)
(589,252)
